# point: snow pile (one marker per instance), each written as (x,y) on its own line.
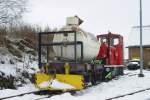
(56,85)
(59,85)
(44,84)
(8,69)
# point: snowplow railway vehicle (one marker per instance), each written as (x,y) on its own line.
(75,59)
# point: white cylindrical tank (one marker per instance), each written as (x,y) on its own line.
(90,44)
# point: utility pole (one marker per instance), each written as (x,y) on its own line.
(141,47)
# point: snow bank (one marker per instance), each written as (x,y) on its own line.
(11,69)
(16,74)
(8,69)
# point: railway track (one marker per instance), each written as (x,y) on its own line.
(44,97)
(120,96)
(18,95)
(40,92)
(52,93)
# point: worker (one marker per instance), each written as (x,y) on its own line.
(112,55)
(103,52)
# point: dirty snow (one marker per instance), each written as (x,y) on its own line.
(55,84)
(123,85)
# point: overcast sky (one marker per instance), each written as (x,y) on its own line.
(99,15)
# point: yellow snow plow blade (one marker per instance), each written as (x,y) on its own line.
(69,82)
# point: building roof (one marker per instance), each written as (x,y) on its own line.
(134,36)
(137,46)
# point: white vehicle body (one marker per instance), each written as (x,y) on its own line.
(90,43)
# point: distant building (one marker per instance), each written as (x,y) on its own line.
(134,44)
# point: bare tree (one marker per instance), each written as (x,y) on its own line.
(11,10)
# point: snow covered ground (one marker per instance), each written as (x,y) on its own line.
(20,90)
(125,84)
